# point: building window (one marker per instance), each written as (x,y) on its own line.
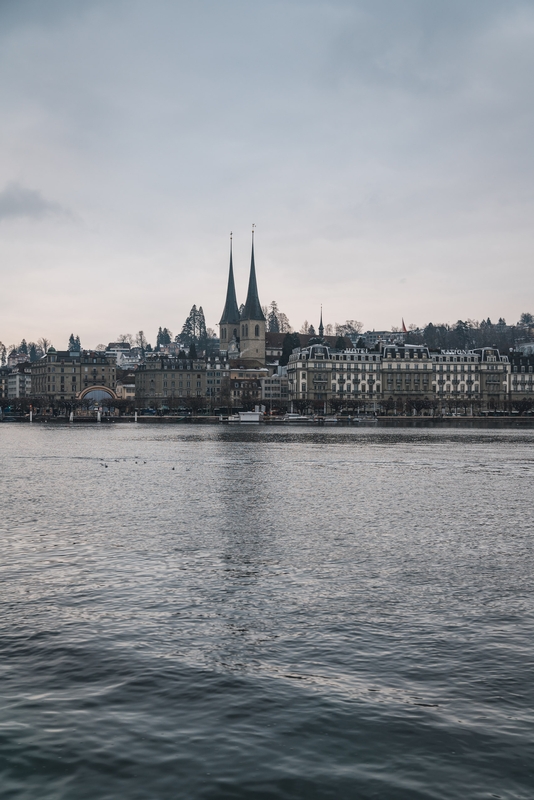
(257,330)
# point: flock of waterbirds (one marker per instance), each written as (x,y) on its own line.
(137,463)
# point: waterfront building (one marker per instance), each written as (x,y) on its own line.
(456,375)
(75,375)
(19,381)
(318,374)
(407,370)
(125,391)
(521,377)
(275,389)
(4,375)
(246,384)
(173,382)
(494,376)
(398,376)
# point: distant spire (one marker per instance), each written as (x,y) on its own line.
(321,327)
(230,315)
(252,308)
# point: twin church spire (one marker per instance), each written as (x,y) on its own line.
(252,309)
(230,315)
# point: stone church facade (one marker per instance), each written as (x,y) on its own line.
(242,333)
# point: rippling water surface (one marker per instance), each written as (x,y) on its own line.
(212,613)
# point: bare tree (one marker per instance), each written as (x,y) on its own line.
(100,348)
(305,327)
(44,344)
(349,327)
(140,340)
(283,323)
(125,338)
(3,354)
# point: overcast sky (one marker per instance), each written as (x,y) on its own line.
(384,150)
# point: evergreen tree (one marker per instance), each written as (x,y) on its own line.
(202,335)
(72,342)
(194,328)
(291,340)
(340,343)
(192,351)
(23,347)
(311,331)
(273,323)
(188,330)
(33,352)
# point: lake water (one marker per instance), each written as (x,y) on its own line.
(205,612)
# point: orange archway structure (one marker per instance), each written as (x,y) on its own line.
(97,394)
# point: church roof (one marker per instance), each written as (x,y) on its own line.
(252,308)
(230,315)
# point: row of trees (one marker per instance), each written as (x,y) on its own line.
(33,351)
(350,327)
(468,334)
(389,406)
(414,406)
(464,334)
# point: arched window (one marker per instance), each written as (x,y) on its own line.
(242,330)
(246,331)
(257,330)
(224,333)
(235,333)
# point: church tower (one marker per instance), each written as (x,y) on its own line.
(252,344)
(229,323)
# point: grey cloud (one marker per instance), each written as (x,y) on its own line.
(17,201)
(371,134)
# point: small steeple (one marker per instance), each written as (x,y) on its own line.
(252,308)
(321,326)
(230,315)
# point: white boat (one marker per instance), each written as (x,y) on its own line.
(246,416)
(291,417)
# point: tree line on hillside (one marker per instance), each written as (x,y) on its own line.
(196,338)
(470,334)
(32,351)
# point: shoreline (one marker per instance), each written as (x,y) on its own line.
(342,422)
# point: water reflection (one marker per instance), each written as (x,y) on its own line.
(257,613)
